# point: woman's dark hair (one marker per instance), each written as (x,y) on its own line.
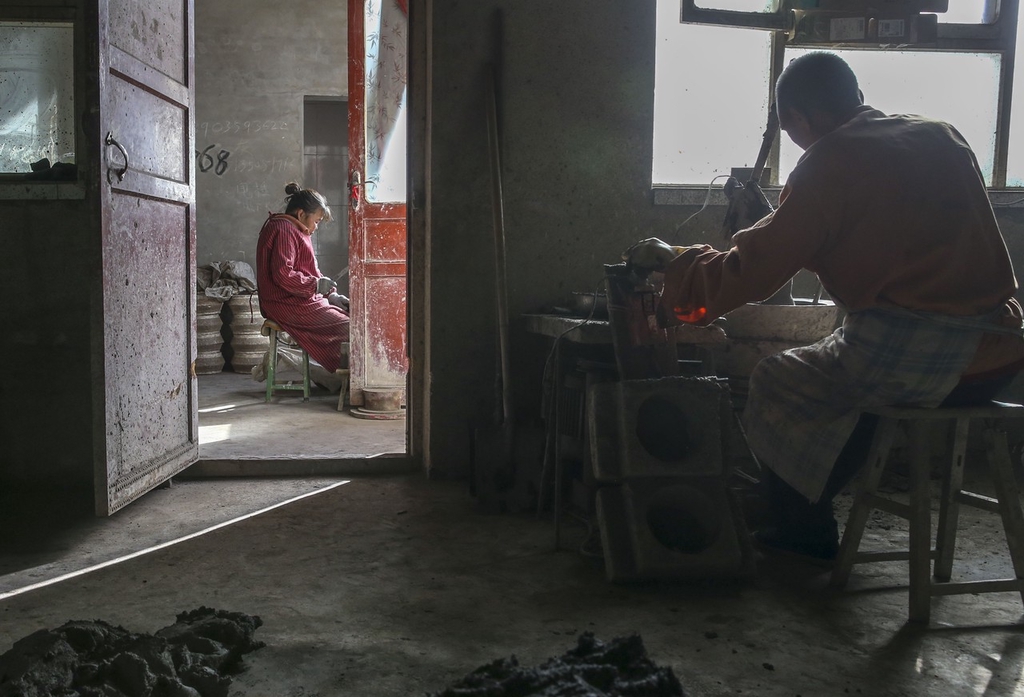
(818,82)
(309,200)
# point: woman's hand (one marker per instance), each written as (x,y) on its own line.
(325,286)
(338,300)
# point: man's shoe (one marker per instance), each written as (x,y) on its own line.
(820,552)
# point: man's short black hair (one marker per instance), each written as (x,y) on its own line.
(818,81)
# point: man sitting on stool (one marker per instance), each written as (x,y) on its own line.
(892,214)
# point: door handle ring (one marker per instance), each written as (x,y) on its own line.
(124,153)
(354,182)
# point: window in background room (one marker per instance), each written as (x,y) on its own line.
(36,95)
(325,168)
(712,90)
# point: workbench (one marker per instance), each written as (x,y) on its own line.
(576,363)
(599,331)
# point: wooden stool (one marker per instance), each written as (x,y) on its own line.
(918,510)
(343,392)
(272,329)
(343,373)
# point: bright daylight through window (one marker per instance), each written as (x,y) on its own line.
(712,94)
(36,95)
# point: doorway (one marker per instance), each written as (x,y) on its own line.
(280,136)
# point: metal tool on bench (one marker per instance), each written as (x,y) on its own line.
(747,202)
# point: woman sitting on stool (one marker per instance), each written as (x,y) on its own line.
(292,291)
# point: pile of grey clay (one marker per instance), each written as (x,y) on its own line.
(619,668)
(194,657)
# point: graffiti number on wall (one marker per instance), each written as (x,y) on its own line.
(205,160)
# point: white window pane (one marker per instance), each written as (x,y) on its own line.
(386,29)
(907,82)
(736,5)
(965,11)
(36,95)
(1015,144)
(710,98)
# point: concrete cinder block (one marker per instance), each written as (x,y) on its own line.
(672,528)
(669,427)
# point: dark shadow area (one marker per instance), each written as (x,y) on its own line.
(43,523)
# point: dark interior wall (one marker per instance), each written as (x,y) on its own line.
(49,283)
(576,110)
(256,61)
(46,274)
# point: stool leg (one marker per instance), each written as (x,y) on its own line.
(1009,497)
(860,510)
(271,365)
(305,376)
(949,505)
(920,522)
(343,390)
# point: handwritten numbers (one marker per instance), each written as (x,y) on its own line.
(205,161)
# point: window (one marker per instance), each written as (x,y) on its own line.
(36,96)
(713,87)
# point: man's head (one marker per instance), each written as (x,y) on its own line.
(814,95)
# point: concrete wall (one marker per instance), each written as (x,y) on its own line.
(577,112)
(46,276)
(49,281)
(256,60)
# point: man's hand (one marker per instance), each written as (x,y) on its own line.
(325,286)
(338,300)
(650,255)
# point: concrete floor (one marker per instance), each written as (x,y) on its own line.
(237,424)
(397,586)
(380,586)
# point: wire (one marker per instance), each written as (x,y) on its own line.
(1008,203)
(548,406)
(707,198)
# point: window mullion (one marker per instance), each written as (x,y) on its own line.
(1009,13)
(778,58)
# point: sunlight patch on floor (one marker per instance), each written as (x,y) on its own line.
(214,434)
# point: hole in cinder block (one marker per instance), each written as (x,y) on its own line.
(663,430)
(682,519)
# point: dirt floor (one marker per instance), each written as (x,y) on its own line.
(398,586)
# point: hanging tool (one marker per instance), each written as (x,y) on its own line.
(493,468)
(747,203)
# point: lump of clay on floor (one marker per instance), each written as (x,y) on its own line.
(620,667)
(194,657)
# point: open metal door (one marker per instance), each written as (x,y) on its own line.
(146,425)
(378,72)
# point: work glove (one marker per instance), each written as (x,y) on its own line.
(325,285)
(338,300)
(650,255)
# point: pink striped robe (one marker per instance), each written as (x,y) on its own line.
(286,279)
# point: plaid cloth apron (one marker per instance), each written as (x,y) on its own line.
(804,403)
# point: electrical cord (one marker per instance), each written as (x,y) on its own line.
(548,405)
(707,199)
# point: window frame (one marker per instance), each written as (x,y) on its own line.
(997,37)
(15,185)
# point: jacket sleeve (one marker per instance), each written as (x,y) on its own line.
(283,267)
(703,284)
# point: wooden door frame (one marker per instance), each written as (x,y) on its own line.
(417,227)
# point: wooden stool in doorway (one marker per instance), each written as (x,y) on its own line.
(918,511)
(273,329)
(343,373)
